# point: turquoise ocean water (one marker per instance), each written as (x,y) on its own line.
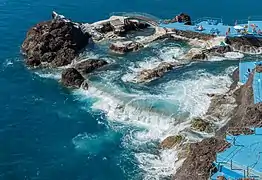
(48,132)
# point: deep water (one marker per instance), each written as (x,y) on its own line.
(48,132)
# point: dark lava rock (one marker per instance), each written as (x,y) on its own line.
(72,78)
(239,131)
(235,77)
(199,56)
(171,141)
(192,34)
(90,65)
(201,125)
(124,47)
(56,41)
(104,28)
(160,70)
(246,115)
(247,44)
(195,54)
(134,25)
(182,18)
(201,155)
(219,49)
(185,18)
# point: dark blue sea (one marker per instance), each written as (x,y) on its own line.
(48,132)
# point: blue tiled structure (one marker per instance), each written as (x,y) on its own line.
(257,87)
(243,158)
(245,68)
(218,28)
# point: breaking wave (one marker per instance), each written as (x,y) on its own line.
(154,111)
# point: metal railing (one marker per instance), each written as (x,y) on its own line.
(135,14)
(240,21)
(255,18)
(219,20)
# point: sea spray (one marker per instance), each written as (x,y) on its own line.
(156,111)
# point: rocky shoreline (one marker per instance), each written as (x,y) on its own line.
(246,114)
(58,42)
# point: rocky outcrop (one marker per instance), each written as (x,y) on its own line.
(247,44)
(134,25)
(73,79)
(235,78)
(171,142)
(221,107)
(246,115)
(218,50)
(198,163)
(195,54)
(56,42)
(192,34)
(199,124)
(150,74)
(185,18)
(124,47)
(182,18)
(90,65)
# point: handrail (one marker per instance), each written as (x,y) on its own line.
(220,20)
(255,18)
(240,21)
(135,14)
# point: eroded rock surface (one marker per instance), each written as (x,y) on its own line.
(73,79)
(192,34)
(218,50)
(195,54)
(160,70)
(198,163)
(247,44)
(245,115)
(171,141)
(56,42)
(124,47)
(90,65)
(199,124)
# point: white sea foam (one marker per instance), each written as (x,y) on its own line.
(191,93)
(165,54)
(216,58)
(93,143)
(122,107)
(158,115)
(8,62)
(158,166)
(49,75)
(234,55)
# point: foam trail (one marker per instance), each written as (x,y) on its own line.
(93,144)
(234,55)
(165,54)
(158,166)
(192,92)
(49,75)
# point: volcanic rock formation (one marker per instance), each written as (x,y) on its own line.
(56,42)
